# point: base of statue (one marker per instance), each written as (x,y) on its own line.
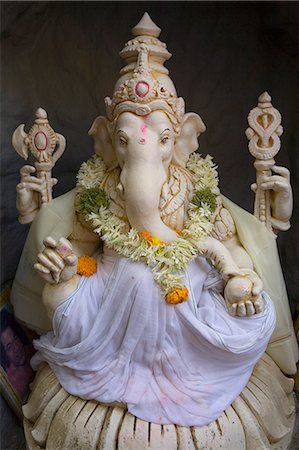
(262,417)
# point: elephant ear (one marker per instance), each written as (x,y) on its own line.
(186,143)
(102,141)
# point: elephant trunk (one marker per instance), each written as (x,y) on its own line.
(142,183)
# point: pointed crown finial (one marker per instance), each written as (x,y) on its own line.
(146,27)
(144,85)
(265,100)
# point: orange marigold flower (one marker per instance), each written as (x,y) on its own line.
(154,240)
(145,235)
(87,266)
(177,296)
(179,232)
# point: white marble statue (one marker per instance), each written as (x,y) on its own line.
(177,312)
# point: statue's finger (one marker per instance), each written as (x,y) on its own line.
(250,311)
(241,309)
(45,261)
(25,170)
(233,309)
(54,257)
(20,187)
(274,185)
(49,242)
(259,305)
(44,273)
(56,277)
(283,171)
(44,197)
(257,286)
(273,178)
(32,187)
(30,179)
(71,260)
(67,273)
(253,187)
(54,181)
(64,247)
(40,268)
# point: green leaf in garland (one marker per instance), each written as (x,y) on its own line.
(90,200)
(205,196)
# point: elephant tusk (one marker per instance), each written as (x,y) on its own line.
(120,188)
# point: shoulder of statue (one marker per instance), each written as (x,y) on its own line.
(224,225)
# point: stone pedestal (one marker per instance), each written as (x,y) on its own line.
(261,418)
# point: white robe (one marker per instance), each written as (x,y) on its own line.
(56,219)
(117,340)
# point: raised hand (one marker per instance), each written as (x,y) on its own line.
(30,192)
(57,263)
(243,294)
(281,193)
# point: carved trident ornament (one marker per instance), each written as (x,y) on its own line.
(264,143)
(45,145)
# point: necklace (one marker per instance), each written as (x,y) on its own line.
(166,260)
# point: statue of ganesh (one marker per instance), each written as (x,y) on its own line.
(155,296)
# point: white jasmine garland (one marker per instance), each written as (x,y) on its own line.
(166,260)
(91,173)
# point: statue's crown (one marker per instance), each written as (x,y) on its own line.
(144,85)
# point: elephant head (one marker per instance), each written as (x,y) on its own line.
(145,130)
(143,147)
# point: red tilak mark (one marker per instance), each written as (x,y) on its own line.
(143,129)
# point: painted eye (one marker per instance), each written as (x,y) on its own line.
(123,142)
(165,140)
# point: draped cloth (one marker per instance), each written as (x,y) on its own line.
(117,340)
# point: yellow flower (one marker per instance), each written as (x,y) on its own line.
(87,266)
(177,296)
(154,240)
(157,241)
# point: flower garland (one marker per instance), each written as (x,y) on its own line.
(166,260)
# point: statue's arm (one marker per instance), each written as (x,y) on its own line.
(225,231)
(57,265)
(244,288)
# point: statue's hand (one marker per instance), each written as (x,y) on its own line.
(243,294)
(57,263)
(29,190)
(281,193)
